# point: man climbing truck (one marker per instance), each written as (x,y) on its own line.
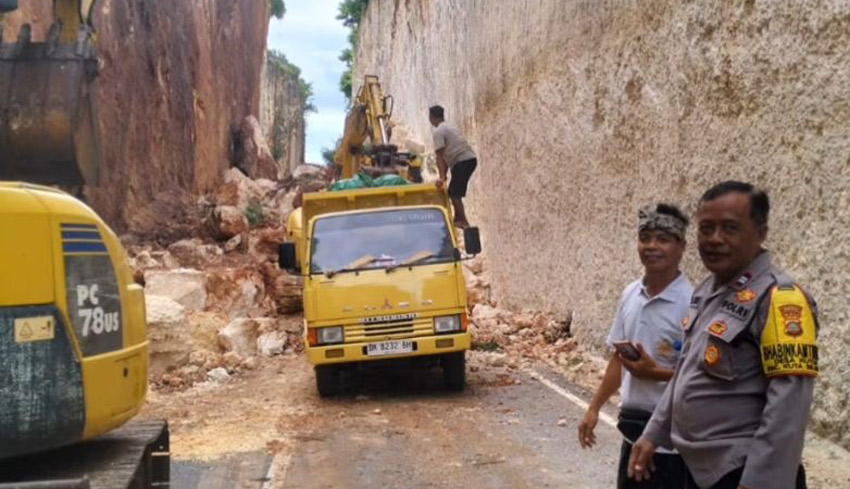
(383,281)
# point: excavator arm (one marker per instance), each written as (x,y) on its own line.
(369,122)
(48,115)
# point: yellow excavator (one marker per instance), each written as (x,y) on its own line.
(365,144)
(48,114)
(73,333)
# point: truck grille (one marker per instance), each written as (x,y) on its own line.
(358,333)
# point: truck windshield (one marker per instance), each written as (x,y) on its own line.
(380,240)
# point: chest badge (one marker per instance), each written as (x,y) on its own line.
(718,328)
(745,295)
(712,355)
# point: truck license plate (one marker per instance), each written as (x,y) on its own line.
(389,348)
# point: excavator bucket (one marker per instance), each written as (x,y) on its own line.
(48,130)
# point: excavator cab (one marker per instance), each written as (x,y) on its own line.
(48,128)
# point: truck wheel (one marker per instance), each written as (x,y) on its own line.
(454,371)
(327,380)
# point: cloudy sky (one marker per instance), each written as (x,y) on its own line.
(311,38)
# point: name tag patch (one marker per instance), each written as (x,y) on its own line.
(739,311)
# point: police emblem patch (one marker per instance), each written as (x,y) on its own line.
(745,295)
(664,348)
(793,328)
(718,328)
(712,355)
(791,312)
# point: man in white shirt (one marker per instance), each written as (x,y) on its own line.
(646,340)
(455,154)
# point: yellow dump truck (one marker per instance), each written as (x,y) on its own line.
(382,280)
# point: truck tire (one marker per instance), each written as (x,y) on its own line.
(327,380)
(454,371)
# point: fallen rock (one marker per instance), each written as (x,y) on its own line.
(238,292)
(229,221)
(184,285)
(271,344)
(218,374)
(170,342)
(193,253)
(250,363)
(233,244)
(265,242)
(144,260)
(284,289)
(240,336)
(252,154)
(238,191)
(200,358)
(231,359)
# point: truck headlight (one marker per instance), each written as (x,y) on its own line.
(333,334)
(446,324)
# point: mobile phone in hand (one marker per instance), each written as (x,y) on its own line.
(627,350)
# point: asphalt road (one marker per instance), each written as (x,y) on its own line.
(406,431)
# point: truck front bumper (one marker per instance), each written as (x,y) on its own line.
(356,352)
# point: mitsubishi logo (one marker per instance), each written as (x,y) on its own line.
(387,304)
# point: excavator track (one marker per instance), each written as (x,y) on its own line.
(135,456)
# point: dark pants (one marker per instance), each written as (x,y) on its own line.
(461,172)
(732,479)
(670,471)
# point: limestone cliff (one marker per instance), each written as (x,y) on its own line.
(583,110)
(282,114)
(176,80)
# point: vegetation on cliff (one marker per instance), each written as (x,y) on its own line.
(350,13)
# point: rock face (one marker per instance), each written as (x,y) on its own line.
(282,116)
(176,79)
(581,112)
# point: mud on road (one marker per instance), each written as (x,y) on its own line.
(269,430)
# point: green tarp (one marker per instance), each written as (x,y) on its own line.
(361,180)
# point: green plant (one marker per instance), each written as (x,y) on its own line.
(351,14)
(328,156)
(255,214)
(277,8)
(487,346)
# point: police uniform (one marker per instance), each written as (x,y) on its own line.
(742,389)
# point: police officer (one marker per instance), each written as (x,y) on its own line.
(738,404)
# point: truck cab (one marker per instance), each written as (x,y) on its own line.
(382,281)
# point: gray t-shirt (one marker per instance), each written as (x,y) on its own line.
(655,323)
(448,137)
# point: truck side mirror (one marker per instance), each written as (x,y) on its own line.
(472,241)
(286,257)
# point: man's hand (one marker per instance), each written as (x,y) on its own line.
(640,462)
(586,437)
(440,183)
(643,367)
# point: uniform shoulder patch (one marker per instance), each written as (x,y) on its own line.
(788,341)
